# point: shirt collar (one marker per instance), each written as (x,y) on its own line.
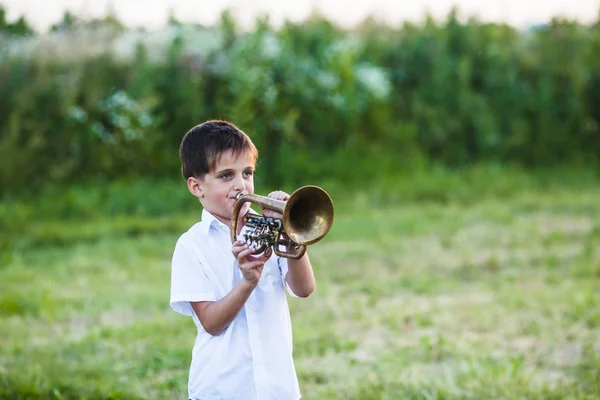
(209,220)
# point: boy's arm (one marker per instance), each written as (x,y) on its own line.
(300,276)
(216,316)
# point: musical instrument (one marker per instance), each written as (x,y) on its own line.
(307,218)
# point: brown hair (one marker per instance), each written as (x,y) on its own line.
(202,146)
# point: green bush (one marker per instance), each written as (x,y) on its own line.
(318,100)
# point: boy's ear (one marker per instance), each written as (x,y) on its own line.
(195,187)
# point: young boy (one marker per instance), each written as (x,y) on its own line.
(243,348)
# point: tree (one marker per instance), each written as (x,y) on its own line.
(69,21)
(19,28)
(3,21)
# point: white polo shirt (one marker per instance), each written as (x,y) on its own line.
(252,358)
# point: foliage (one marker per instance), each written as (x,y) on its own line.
(18,28)
(318,100)
(54,216)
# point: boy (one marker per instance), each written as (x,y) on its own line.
(243,348)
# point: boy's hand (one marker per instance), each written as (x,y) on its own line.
(250,266)
(277,195)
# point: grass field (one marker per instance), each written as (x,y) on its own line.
(490,299)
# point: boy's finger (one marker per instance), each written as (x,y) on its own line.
(236,250)
(251,265)
(264,256)
(279,195)
(245,253)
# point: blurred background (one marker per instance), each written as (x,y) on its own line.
(460,141)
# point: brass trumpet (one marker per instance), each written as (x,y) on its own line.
(307,218)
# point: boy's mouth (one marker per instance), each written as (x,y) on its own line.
(237,196)
(233,200)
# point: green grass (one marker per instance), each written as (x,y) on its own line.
(492,298)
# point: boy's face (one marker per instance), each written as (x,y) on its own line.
(218,188)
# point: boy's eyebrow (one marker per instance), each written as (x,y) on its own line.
(231,169)
(222,171)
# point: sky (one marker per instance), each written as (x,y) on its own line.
(154,13)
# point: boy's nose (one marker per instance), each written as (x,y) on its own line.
(239,184)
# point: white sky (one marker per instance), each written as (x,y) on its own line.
(153,13)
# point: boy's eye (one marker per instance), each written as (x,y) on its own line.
(226,175)
(248,173)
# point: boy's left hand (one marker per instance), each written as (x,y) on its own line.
(277,195)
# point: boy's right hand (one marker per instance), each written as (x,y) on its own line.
(250,266)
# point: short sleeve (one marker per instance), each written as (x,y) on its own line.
(189,281)
(283,268)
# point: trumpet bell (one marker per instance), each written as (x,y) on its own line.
(308,215)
